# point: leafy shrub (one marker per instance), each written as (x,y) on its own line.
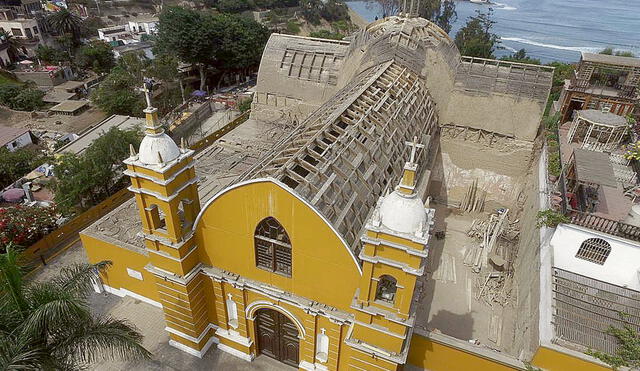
(326,34)
(245,105)
(550,218)
(293,27)
(21,97)
(24,225)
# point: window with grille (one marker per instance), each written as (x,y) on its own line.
(273,247)
(595,250)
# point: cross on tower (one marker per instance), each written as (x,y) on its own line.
(147,87)
(414,148)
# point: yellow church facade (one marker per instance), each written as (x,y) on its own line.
(315,251)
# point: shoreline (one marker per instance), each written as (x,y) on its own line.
(357,19)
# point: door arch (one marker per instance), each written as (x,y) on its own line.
(277,336)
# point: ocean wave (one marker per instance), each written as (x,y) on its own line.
(585,49)
(505,6)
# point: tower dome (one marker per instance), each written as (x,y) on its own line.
(402,210)
(157,148)
(402,213)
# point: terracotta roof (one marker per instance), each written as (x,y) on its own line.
(9,134)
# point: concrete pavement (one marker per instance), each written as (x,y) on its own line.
(150,321)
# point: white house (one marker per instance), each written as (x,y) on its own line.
(14,138)
(144,25)
(596,255)
(116,33)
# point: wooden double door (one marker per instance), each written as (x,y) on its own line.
(277,336)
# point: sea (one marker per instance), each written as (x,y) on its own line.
(550,30)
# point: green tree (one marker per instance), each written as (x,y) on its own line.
(242,42)
(117,95)
(96,56)
(562,72)
(224,41)
(189,35)
(65,22)
(164,68)
(520,56)
(48,325)
(17,164)
(48,54)
(446,16)
(85,180)
(607,51)
(21,97)
(619,53)
(235,6)
(90,27)
(476,38)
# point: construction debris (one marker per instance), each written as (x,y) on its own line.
(493,257)
(474,200)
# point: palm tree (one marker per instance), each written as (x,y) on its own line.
(65,22)
(48,325)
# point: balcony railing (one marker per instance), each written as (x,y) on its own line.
(605,225)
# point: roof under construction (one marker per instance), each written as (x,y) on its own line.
(346,154)
(358,102)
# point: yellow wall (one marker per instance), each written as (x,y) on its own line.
(323,269)
(434,356)
(553,360)
(116,276)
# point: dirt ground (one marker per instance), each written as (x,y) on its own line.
(54,123)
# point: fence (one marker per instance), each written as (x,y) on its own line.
(57,240)
(206,141)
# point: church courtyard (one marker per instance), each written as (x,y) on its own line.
(149,320)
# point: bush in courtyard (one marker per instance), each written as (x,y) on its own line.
(24,225)
(245,105)
(550,218)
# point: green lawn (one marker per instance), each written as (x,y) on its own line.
(5,78)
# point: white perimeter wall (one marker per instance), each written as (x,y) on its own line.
(621,267)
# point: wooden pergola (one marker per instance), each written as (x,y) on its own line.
(598,130)
(586,173)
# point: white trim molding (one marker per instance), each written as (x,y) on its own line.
(290,191)
(191,338)
(253,307)
(236,352)
(124,292)
(198,353)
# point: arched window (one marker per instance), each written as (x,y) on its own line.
(386,290)
(595,250)
(273,247)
